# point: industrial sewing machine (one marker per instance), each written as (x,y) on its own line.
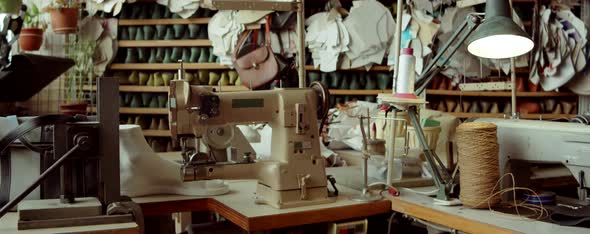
(544,142)
(294,176)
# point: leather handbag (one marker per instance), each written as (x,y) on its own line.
(258,66)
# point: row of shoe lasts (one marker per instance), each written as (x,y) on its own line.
(168,55)
(164,32)
(494,107)
(157,11)
(352,80)
(146,122)
(144,100)
(201,77)
(161,144)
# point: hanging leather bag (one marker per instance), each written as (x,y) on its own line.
(258,66)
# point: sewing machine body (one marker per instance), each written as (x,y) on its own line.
(545,142)
(295,174)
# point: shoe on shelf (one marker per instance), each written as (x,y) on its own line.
(162,100)
(203,77)
(176,54)
(354,82)
(143,55)
(189,77)
(567,107)
(146,98)
(135,101)
(558,109)
(186,55)
(195,54)
(151,81)
(127,98)
(384,80)
(485,106)
(238,81)
(138,36)
(335,79)
(465,106)
(204,56)
(179,30)
(345,83)
(214,78)
(371,82)
(158,11)
(167,77)
(325,79)
(163,125)
(131,55)
(161,30)
(451,104)
(203,34)
(149,32)
(169,33)
(224,80)
(233,77)
(495,109)
(146,11)
(474,106)
(212,57)
(313,76)
(549,105)
(153,102)
(134,78)
(193,31)
(153,53)
(167,56)
(143,78)
(154,124)
(195,80)
(123,33)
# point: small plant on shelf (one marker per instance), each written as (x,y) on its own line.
(64,16)
(31,36)
(83,72)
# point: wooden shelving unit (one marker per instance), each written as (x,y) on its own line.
(496,93)
(139,111)
(161,89)
(156,133)
(164,43)
(373,68)
(166,66)
(141,22)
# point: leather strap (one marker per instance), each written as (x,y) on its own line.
(17,133)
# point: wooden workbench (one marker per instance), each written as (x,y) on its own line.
(472,220)
(9,221)
(238,206)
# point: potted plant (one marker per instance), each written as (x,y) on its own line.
(83,72)
(31,36)
(64,16)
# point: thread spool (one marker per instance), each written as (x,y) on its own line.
(405,80)
(479,164)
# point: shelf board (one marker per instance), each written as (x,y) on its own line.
(160,89)
(373,68)
(164,43)
(165,66)
(501,115)
(141,22)
(357,92)
(156,133)
(147,111)
(497,94)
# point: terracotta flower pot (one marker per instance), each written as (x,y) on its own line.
(30,39)
(64,20)
(73,108)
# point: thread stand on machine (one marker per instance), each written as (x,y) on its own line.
(444,181)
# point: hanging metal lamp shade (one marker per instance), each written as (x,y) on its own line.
(498,36)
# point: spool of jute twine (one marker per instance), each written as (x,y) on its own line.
(478,163)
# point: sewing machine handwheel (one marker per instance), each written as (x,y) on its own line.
(324,97)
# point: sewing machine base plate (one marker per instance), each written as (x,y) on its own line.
(291,198)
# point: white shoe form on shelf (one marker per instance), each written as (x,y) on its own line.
(143,172)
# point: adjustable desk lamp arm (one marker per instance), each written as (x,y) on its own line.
(471,22)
